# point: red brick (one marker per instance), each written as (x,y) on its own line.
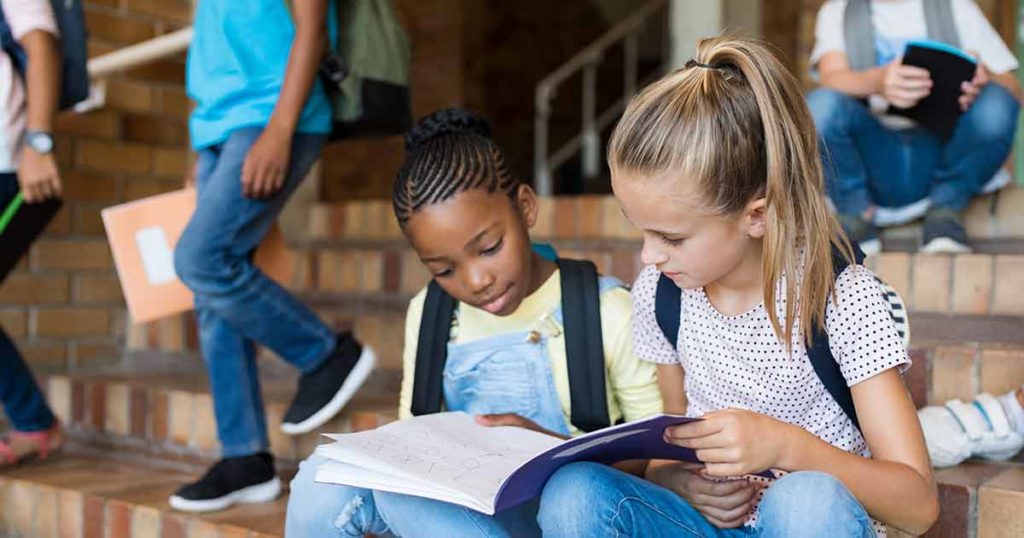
(159,408)
(932,283)
(171,162)
(1008,297)
(999,502)
(57,254)
(96,288)
(31,289)
(86,186)
(96,396)
(78,402)
(72,322)
(392,272)
(118,29)
(135,189)
(589,216)
(174,102)
(176,10)
(565,217)
(98,123)
(86,220)
(94,517)
(119,519)
(14,322)
(952,370)
(172,526)
(129,96)
(44,352)
(972,284)
(154,130)
(138,407)
(114,156)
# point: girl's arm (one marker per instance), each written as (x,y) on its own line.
(266,166)
(37,173)
(896,485)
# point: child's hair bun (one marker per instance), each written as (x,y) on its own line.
(444,122)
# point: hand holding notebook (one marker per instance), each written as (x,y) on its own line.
(949,68)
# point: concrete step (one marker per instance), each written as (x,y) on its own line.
(96,497)
(167,418)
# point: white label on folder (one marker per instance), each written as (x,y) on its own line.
(157,256)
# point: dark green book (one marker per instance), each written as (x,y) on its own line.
(20,225)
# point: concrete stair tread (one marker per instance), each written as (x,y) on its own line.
(80,496)
(124,500)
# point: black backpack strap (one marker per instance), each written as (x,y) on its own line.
(432,351)
(584,344)
(667,309)
(820,354)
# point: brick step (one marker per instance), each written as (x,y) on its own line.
(90,497)
(169,418)
(87,497)
(943,371)
(995,221)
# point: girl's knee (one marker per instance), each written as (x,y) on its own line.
(576,490)
(808,503)
(317,509)
(993,115)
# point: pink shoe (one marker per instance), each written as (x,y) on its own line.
(45,441)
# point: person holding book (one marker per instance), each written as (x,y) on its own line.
(260,122)
(28,104)
(882,169)
(507,360)
(735,222)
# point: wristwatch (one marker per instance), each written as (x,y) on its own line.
(40,142)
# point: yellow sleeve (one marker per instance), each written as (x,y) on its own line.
(413,315)
(633,382)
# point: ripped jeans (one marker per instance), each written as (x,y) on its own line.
(327,510)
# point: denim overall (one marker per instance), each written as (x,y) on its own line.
(506,373)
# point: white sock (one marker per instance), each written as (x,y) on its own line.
(1014,411)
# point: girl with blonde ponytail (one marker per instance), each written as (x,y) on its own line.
(718,165)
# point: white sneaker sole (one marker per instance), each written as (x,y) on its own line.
(945,245)
(356,378)
(259,493)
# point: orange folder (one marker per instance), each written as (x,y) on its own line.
(142,236)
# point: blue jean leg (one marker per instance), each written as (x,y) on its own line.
(326,510)
(236,304)
(587,499)
(316,509)
(867,164)
(20,395)
(980,144)
(811,504)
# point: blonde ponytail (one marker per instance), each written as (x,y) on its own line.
(735,121)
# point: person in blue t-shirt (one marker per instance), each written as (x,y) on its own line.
(260,122)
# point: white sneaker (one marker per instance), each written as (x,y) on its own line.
(945,245)
(958,430)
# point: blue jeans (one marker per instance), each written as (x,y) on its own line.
(236,304)
(587,499)
(20,395)
(867,164)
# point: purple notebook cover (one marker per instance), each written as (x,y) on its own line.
(638,440)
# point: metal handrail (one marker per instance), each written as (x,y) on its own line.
(128,57)
(588,141)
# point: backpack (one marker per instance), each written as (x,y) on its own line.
(366,72)
(859,33)
(584,346)
(667,304)
(74,74)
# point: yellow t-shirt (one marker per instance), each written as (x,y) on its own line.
(632,387)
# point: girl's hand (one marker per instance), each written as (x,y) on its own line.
(726,504)
(266,165)
(38,177)
(735,442)
(512,419)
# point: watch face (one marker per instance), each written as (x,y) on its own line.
(40,142)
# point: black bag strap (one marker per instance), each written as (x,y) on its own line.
(432,350)
(667,312)
(584,345)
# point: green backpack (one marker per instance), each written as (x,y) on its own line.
(366,70)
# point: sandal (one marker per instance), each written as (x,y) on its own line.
(43,440)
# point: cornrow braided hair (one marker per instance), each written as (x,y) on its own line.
(448,152)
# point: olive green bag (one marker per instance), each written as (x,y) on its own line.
(366,70)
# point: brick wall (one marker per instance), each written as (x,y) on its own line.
(63,305)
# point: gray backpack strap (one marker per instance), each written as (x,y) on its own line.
(938,18)
(859,34)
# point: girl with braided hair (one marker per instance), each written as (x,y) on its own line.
(468,218)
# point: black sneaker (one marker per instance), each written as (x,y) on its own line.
(323,393)
(944,233)
(862,231)
(246,479)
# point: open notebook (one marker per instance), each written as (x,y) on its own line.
(449,457)
(142,236)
